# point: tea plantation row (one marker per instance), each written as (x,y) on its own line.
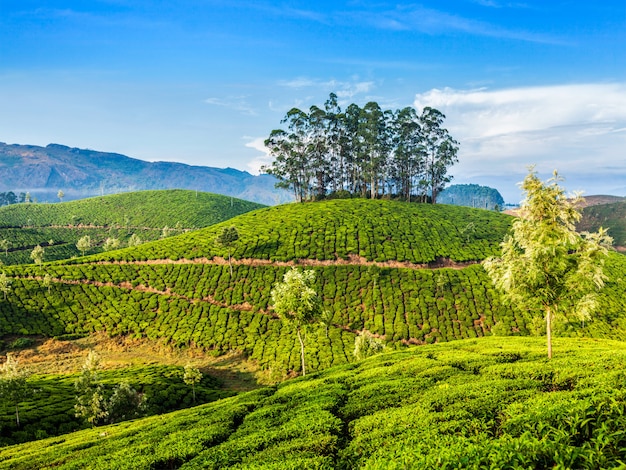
(50,409)
(330,230)
(201,304)
(150,215)
(154,209)
(481,403)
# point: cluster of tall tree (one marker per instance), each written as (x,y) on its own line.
(9,197)
(368,151)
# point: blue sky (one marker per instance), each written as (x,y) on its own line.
(204,82)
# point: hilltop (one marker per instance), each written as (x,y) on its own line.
(150,215)
(81,173)
(611,216)
(481,403)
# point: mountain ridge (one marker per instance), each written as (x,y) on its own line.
(79,173)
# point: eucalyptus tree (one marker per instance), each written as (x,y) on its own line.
(227,239)
(334,121)
(408,159)
(374,136)
(290,150)
(83,244)
(546,266)
(440,150)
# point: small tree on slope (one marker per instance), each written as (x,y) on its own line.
(14,386)
(295,301)
(545,264)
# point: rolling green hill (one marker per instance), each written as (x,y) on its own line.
(610,216)
(148,214)
(481,403)
(378,267)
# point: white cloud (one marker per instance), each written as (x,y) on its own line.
(578,129)
(254,166)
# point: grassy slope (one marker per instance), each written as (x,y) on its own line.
(145,213)
(482,403)
(609,216)
(201,304)
(329,230)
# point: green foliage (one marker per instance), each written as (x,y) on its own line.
(342,229)
(546,266)
(37,254)
(14,386)
(151,390)
(297,302)
(610,216)
(5,284)
(113,217)
(366,345)
(481,403)
(83,244)
(192,376)
(90,400)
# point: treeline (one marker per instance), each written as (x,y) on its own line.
(9,197)
(366,152)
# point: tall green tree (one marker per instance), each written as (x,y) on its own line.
(227,238)
(90,400)
(296,302)
(14,387)
(546,266)
(440,149)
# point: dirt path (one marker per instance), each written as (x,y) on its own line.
(353,260)
(245,307)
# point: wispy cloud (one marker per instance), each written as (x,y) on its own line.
(343,89)
(431,21)
(578,129)
(236,103)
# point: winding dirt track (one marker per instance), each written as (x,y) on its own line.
(353,260)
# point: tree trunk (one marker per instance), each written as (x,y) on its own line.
(17,416)
(549,331)
(301,351)
(230,265)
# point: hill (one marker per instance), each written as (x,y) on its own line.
(407,273)
(149,215)
(80,173)
(481,403)
(472,195)
(610,216)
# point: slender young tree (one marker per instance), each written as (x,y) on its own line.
(14,386)
(227,238)
(546,266)
(90,401)
(296,302)
(5,245)
(84,244)
(5,284)
(37,254)
(192,376)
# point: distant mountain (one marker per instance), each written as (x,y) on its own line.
(471,195)
(43,171)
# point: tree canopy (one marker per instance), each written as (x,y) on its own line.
(546,266)
(368,152)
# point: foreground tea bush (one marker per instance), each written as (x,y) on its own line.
(481,403)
